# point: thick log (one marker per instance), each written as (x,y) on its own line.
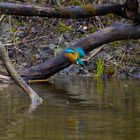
(85,11)
(35,99)
(112,33)
(59,12)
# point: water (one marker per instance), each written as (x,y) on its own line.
(73,109)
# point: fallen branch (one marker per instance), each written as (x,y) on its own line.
(58,12)
(35,99)
(1,18)
(112,33)
(85,11)
(5,79)
(93,53)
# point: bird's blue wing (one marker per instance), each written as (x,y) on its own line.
(68,50)
(81,52)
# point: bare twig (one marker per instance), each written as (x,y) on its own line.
(93,53)
(10,23)
(60,39)
(35,99)
(1,18)
(24,41)
(14,35)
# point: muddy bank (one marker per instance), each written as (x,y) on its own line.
(33,40)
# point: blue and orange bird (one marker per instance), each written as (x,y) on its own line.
(75,55)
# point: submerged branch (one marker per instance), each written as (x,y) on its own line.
(35,99)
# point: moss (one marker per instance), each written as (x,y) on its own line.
(63,27)
(110,71)
(93,30)
(62,11)
(89,8)
(75,2)
(71,2)
(110,16)
(79,36)
(117,44)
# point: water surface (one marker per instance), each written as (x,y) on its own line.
(73,109)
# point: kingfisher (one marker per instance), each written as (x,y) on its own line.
(75,55)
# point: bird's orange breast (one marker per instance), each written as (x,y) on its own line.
(73,57)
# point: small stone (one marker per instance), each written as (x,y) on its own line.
(37,56)
(52,46)
(85,28)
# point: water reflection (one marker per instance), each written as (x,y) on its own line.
(73,108)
